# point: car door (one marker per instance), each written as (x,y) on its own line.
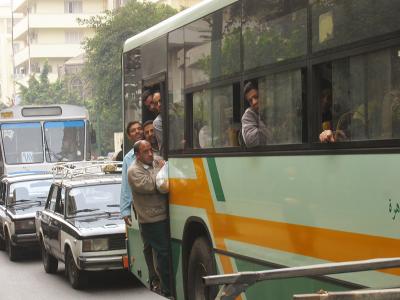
(56,222)
(46,217)
(2,207)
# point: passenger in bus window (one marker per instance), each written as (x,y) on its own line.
(157,123)
(254,131)
(149,136)
(147,98)
(326,109)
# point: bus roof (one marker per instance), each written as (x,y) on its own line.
(185,17)
(42,112)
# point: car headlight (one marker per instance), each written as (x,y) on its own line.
(94,245)
(25,226)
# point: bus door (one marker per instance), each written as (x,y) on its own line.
(137,259)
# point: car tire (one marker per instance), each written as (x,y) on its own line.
(201,263)
(77,278)
(2,244)
(50,263)
(11,250)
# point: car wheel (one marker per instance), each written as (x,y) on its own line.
(2,244)
(11,249)
(50,263)
(77,278)
(201,263)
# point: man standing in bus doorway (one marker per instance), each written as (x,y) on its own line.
(254,131)
(151,207)
(134,132)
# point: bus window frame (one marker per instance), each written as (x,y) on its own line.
(311,144)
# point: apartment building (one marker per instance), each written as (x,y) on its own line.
(6,66)
(49,31)
(178,4)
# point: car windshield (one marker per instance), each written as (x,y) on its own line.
(22,142)
(28,191)
(64,140)
(94,199)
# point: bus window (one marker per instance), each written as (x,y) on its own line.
(175,87)
(64,140)
(214,122)
(365,92)
(154,57)
(275,115)
(336,23)
(273,31)
(22,142)
(132,89)
(212,46)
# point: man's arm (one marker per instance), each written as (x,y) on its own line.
(141,181)
(250,130)
(126,194)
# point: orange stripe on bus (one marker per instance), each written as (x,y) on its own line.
(320,243)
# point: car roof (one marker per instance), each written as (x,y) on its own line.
(25,177)
(90,179)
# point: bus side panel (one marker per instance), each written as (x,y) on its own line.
(138,265)
(293,210)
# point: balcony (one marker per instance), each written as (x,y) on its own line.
(55,50)
(20,6)
(51,21)
(48,51)
(21,29)
(21,56)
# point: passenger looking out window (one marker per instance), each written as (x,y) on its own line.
(365,96)
(254,131)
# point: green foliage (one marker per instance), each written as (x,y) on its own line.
(41,91)
(103,67)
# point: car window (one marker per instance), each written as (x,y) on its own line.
(93,199)
(51,204)
(60,201)
(2,187)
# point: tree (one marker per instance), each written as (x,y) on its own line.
(41,91)
(103,66)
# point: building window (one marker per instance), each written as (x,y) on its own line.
(35,68)
(77,87)
(73,37)
(73,7)
(33,37)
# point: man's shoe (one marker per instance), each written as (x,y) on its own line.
(155,286)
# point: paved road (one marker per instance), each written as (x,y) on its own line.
(26,279)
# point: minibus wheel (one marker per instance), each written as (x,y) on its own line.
(201,263)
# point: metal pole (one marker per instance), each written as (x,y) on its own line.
(385,294)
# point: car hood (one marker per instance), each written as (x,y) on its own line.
(98,224)
(26,209)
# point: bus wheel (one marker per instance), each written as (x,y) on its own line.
(77,278)
(50,263)
(201,263)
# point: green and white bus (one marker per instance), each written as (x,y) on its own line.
(317,64)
